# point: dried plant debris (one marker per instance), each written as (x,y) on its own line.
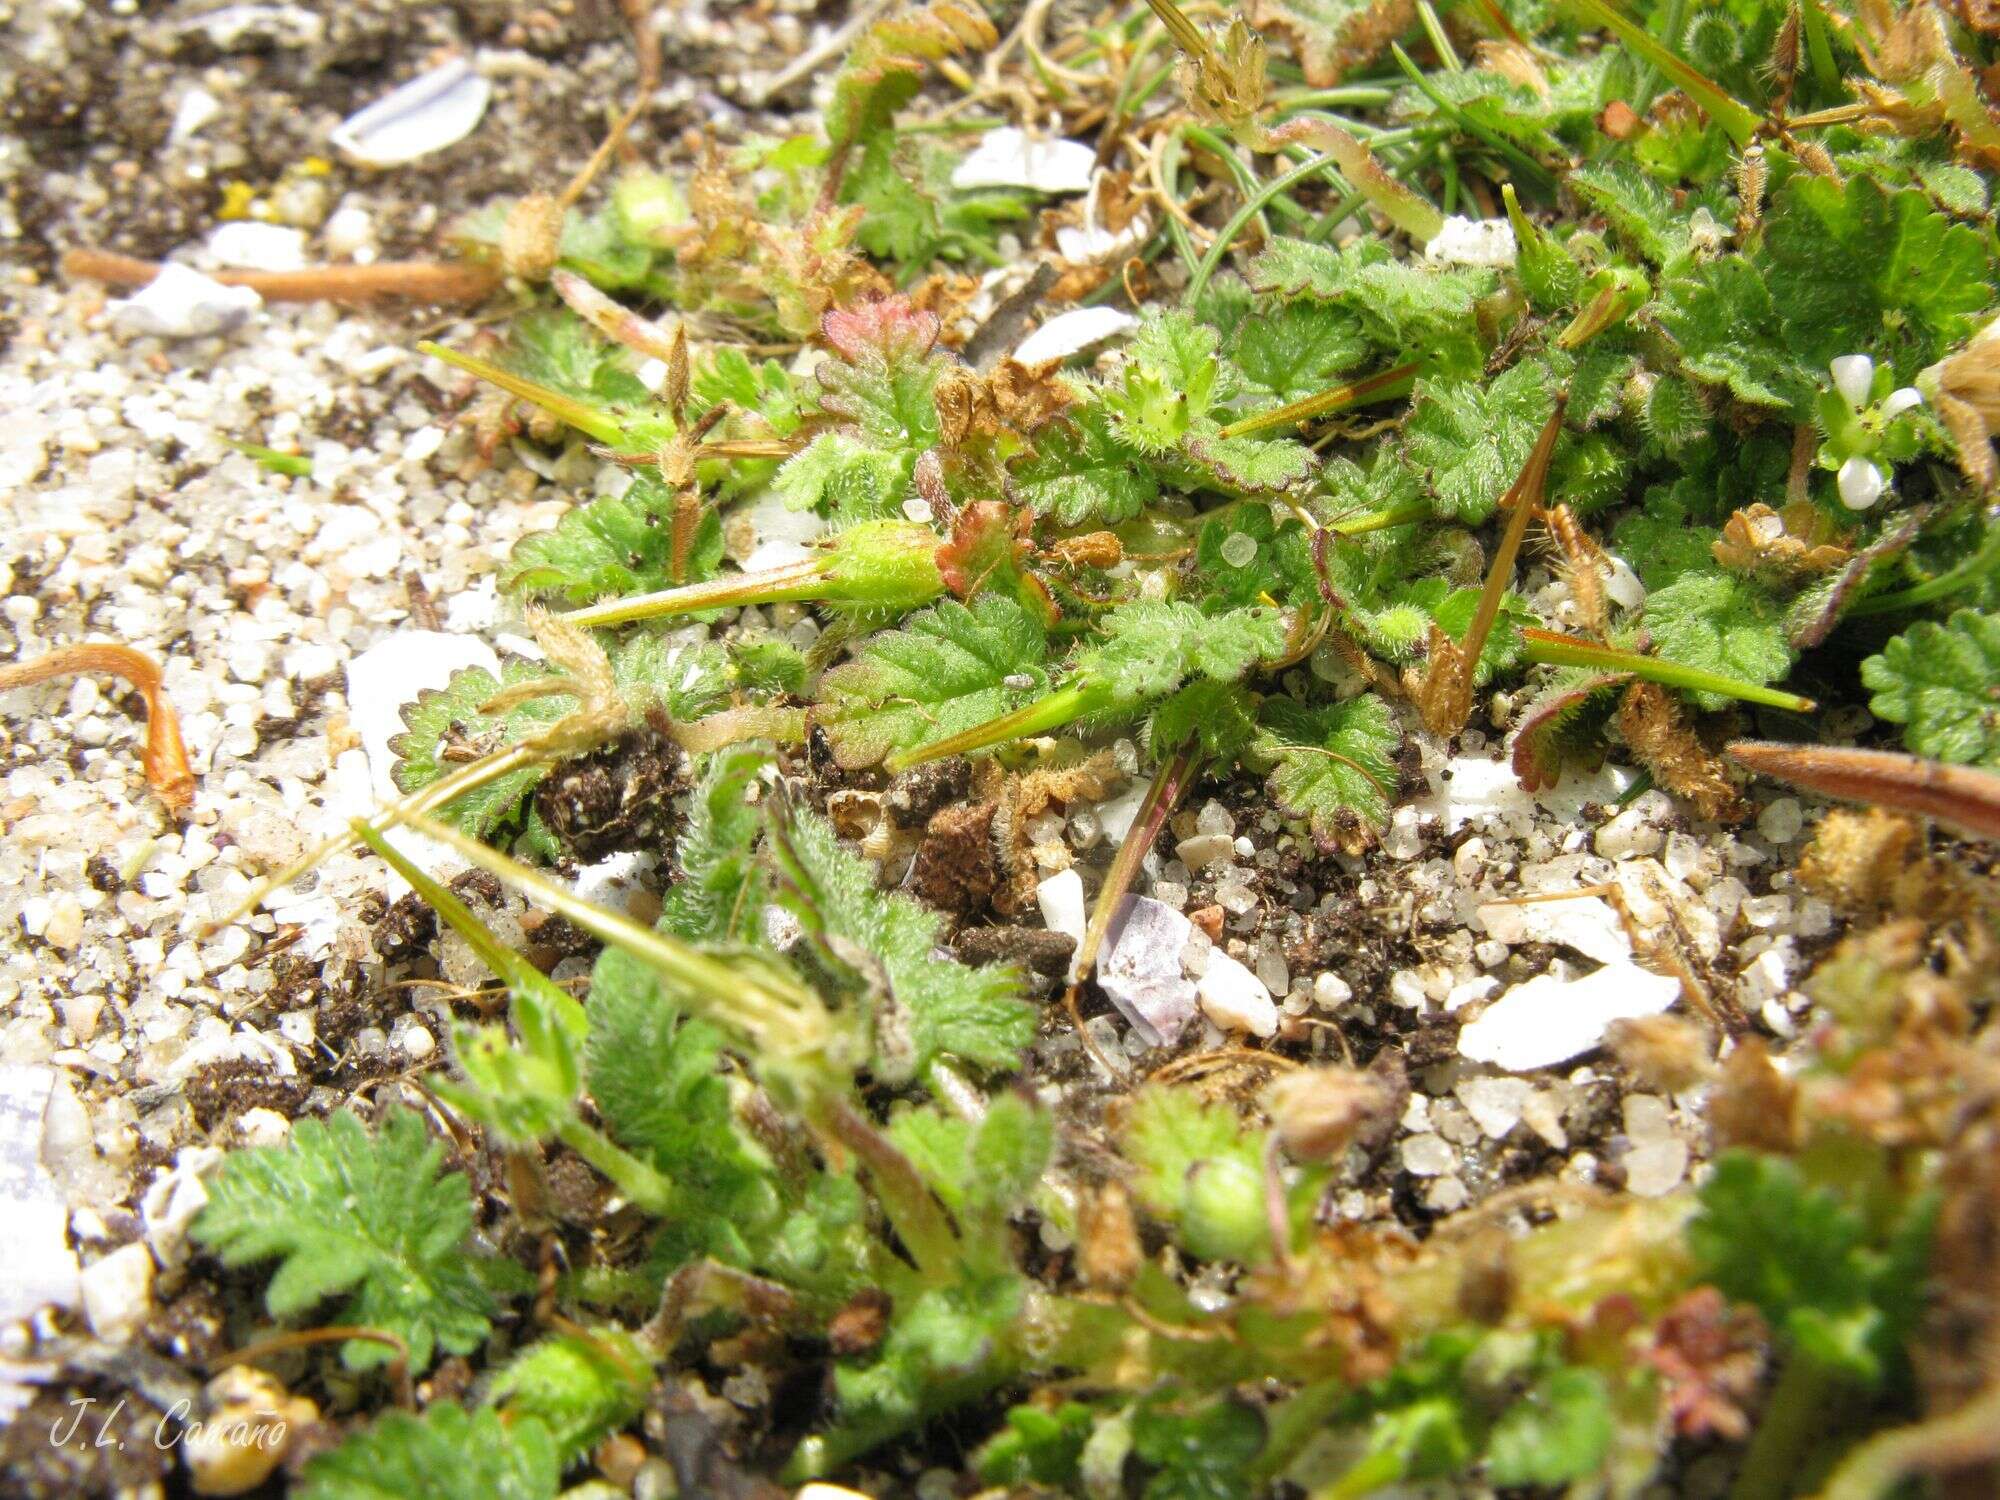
(1108,841)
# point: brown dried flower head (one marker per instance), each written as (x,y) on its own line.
(1800,541)
(1319,1112)
(1226,82)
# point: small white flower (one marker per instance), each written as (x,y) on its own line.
(1861,483)
(1853,374)
(1901,400)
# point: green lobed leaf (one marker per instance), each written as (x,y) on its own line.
(578,1387)
(1867,270)
(946,1347)
(1406,307)
(945,670)
(844,479)
(1661,541)
(1556,1434)
(1220,717)
(1941,682)
(1468,439)
(655,1076)
(1725,320)
(1150,647)
(444,1454)
(363,1215)
(1720,622)
(719,897)
(1333,765)
(446,721)
(1809,1261)
(983,1170)
(1038,1446)
(1198,1168)
(1295,349)
(1247,465)
(1080,474)
(1280,565)
(1200,1455)
(932,1005)
(614,544)
(1637,208)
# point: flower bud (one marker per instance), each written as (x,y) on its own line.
(1222,1212)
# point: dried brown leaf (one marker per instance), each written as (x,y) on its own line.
(1753,1104)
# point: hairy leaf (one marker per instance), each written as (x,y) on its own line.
(1721,623)
(945,670)
(1942,684)
(614,544)
(578,1386)
(1080,474)
(444,1454)
(1404,306)
(720,895)
(1150,648)
(1468,439)
(932,1005)
(367,1216)
(1333,765)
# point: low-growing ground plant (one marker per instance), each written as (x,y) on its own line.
(1686,305)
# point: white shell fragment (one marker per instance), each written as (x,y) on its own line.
(1236,999)
(1549,1020)
(1072,333)
(1011,158)
(1472,242)
(390,674)
(248,245)
(34,1246)
(1586,924)
(197,107)
(118,1292)
(173,1199)
(432,111)
(1139,968)
(180,303)
(1061,900)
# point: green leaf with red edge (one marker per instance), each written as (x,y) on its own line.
(1564,727)
(882,382)
(988,551)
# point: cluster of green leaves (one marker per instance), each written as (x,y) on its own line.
(1162,545)
(1837,1265)
(1507,1406)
